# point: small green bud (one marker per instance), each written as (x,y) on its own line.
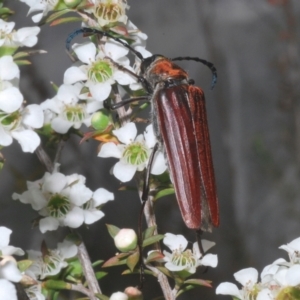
(100,120)
(126,240)
(72,3)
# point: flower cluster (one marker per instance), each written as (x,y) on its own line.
(64,201)
(279,280)
(16,120)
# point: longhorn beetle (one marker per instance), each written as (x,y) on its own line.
(181,128)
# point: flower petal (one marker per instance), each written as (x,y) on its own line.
(127,133)
(74,74)
(228,288)
(4,236)
(92,216)
(174,241)
(159,164)
(293,275)
(124,172)
(210,260)
(10,272)
(8,69)
(102,195)
(85,52)
(48,224)
(74,218)
(33,116)
(109,150)
(28,140)
(7,290)
(10,99)
(5,138)
(246,276)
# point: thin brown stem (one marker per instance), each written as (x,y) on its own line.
(148,210)
(44,158)
(88,271)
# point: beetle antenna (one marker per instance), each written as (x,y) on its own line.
(103,33)
(205,62)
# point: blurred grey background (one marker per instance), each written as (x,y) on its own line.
(253,114)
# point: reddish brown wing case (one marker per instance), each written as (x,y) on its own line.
(182,122)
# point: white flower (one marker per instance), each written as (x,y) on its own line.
(98,71)
(110,11)
(7,290)
(19,124)
(52,262)
(182,259)
(133,153)
(64,201)
(67,110)
(40,5)
(26,36)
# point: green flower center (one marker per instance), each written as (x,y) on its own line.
(100,71)
(109,11)
(75,113)
(10,121)
(136,153)
(58,206)
(184,259)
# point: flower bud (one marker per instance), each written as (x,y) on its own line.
(100,120)
(133,293)
(118,296)
(126,240)
(72,3)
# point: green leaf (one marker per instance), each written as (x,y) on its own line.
(97,263)
(57,15)
(21,54)
(163,193)
(65,20)
(132,260)
(185,289)
(100,274)
(137,271)
(57,285)
(23,62)
(153,239)
(112,230)
(201,282)
(149,232)
(102,297)
(154,256)
(117,260)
